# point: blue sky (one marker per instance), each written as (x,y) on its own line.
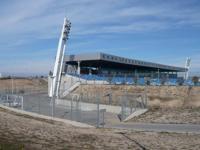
(153,30)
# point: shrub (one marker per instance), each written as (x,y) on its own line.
(195,80)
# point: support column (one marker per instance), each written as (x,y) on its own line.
(136,74)
(176,74)
(79,68)
(158,73)
(90,71)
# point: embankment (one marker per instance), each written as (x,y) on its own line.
(158,96)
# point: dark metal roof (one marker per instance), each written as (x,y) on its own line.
(103,57)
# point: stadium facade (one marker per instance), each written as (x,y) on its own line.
(102,64)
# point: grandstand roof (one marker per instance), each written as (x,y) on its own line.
(111,60)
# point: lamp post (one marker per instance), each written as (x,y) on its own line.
(52,97)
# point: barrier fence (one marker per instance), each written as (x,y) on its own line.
(131,102)
(76,108)
(72,109)
(15,101)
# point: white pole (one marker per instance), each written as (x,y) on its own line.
(52,99)
(12,85)
(79,69)
(187,66)
(22,102)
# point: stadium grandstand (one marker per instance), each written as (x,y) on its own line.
(102,66)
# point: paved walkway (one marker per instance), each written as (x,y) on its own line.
(177,128)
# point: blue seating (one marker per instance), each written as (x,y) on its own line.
(130,80)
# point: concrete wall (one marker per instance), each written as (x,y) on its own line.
(68,81)
(158,96)
(90,106)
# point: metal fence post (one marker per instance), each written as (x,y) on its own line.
(38,106)
(122,108)
(22,102)
(77,108)
(103,117)
(71,110)
(98,113)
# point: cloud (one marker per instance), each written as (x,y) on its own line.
(42,18)
(29,23)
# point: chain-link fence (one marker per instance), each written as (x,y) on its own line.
(130,103)
(71,109)
(96,107)
(15,101)
(78,110)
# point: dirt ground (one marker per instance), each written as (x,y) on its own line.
(170,115)
(25,132)
(23,85)
(158,96)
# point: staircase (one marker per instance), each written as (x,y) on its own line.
(69,90)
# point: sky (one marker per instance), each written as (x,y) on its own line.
(152,30)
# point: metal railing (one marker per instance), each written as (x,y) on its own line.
(132,80)
(15,101)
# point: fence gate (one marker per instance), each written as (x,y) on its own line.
(131,102)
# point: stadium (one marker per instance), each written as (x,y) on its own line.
(102,66)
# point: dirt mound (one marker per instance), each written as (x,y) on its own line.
(159,96)
(169,115)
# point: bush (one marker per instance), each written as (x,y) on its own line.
(195,80)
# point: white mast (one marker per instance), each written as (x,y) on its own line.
(55,85)
(187,66)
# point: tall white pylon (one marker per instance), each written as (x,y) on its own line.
(187,66)
(56,78)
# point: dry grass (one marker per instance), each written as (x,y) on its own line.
(31,133)
(23,85)
(158,96)
(170,115)
(24,132)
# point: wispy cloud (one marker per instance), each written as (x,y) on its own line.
(25,24)
(42,17)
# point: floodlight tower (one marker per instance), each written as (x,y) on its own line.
(187,66)
(56,78)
